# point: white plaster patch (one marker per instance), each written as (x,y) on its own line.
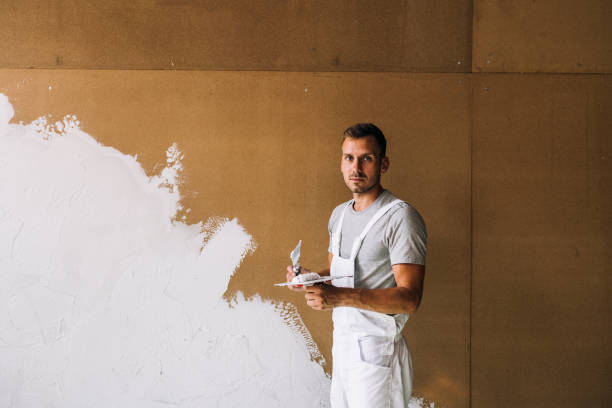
(107,301)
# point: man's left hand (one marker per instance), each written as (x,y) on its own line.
(321,297)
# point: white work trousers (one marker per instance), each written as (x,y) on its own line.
(372,369)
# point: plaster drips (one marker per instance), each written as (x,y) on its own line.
(107,300)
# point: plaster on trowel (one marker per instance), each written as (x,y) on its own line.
(311,279)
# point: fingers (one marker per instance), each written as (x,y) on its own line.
(290,275)
(320,297)
(315,298)
(291,272)
(317,304)
(314,301)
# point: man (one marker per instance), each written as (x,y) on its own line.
(380,242)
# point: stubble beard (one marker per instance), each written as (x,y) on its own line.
(366,188)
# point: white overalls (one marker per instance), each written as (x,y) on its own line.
(371,360)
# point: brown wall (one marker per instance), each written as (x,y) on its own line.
(548,36)
(541,240)
(511,172)
(295,35)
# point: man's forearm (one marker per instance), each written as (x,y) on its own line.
(389,300)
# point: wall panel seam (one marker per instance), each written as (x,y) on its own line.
(471,194)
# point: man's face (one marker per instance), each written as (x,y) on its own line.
(361,165)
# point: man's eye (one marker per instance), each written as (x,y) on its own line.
(367,158)
(348,158)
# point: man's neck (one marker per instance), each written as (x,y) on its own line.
(364,200)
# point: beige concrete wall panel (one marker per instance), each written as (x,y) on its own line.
(542,36)
(542,194)
(265,148)
(297,35)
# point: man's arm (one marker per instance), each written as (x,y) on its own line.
(405,298)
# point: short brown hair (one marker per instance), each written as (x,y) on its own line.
(360,130)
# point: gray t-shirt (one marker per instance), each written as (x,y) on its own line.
(398,237)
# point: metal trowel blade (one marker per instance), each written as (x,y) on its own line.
(295,257)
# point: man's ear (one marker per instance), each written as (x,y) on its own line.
(384,164)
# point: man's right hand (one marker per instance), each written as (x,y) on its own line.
(291,275)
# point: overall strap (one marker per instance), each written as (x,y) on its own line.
(338,231)
(359,240)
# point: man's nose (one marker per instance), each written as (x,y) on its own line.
(358,164)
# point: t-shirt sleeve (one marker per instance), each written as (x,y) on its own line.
(406,237)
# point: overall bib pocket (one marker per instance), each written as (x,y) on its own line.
(376,350)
